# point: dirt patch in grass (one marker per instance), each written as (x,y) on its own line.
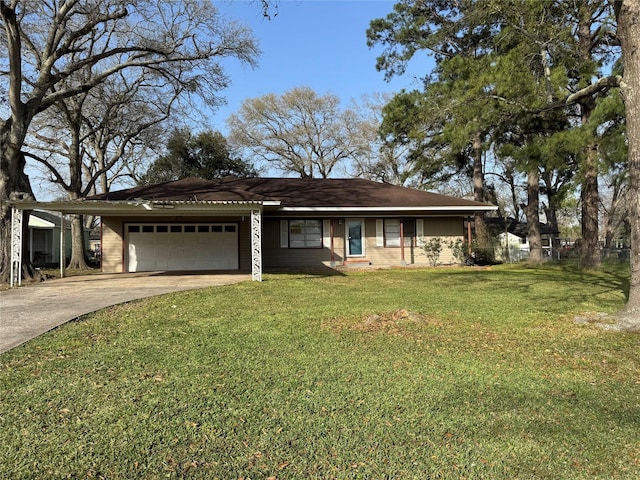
(396,323)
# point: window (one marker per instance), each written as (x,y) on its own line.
(305,233)
(392,232)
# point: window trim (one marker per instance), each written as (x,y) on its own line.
(409,240)
(285,234)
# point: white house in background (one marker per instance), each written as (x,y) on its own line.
(513,241)
(43,247)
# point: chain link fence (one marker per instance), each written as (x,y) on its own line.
(560,254)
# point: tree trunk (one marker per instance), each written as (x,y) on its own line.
(482,232)
(72,110)
(78,251)
(551,211)
(612,218)
(628,20)
(590,198)
(532,212)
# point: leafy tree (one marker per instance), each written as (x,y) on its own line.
(452,120)
(299,132)
(472,98)
(205,155)
(51,45)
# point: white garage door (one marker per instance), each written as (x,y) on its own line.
(171,246)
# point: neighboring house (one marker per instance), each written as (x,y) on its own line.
(94,243)
(247,224)
(513,241)
(43,244)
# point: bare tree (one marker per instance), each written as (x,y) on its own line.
(377,159)
(84,142)
(50,44)
(299,132)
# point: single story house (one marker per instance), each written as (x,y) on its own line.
(248,224)
(513,240)
(43,244)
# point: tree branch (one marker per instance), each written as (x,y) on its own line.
(602,84)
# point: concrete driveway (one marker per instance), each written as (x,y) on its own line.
(31,310)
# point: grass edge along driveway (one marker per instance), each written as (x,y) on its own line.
(444,373)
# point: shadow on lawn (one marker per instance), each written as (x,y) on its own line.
(522,280)
(314,271)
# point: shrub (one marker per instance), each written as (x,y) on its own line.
(433,249)
(459,250)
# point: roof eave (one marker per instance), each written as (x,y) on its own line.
(432,209)
(112,207)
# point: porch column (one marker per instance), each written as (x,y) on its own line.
(16,246)
(402,257)
(333,251)
(63,247)
(256,245)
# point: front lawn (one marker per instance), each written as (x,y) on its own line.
(445,373)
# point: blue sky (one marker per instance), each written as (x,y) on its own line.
(316,43)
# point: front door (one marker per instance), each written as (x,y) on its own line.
(355,238)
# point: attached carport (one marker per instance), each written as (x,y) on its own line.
(167,235)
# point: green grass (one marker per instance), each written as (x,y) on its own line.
(293,378)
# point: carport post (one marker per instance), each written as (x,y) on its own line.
(63,247)
(16,246)
(256,245)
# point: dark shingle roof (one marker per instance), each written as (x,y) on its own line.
(520,229)
(290,192)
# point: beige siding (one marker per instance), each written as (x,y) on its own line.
(275,256)
(112,245)
(380,255)
(448,229)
